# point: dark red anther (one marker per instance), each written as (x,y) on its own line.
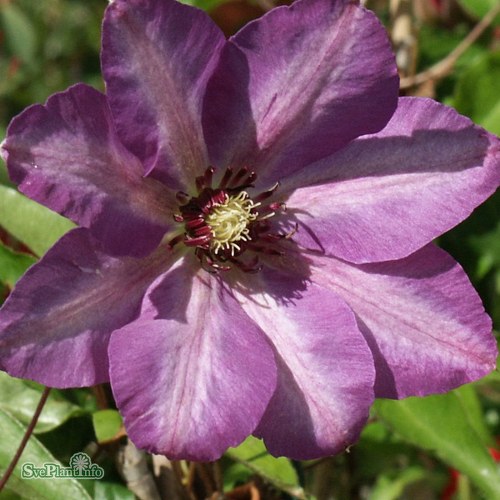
(182,197)
(209,174)
(177,239)
(258,238)
(200,183)
(225,179)
(266,194)
(194,223)
(214,265)
(242,172)
(201,231)
(251,179)
(202,241)
(277,205)
(218,198)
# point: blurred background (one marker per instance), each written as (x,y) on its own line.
(442,447)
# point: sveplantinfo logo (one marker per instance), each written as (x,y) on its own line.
(80,467)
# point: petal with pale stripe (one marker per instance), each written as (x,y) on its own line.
(297,85)
(423,320)
(157,56)
(386,195)
(56,323)
(194,374)
(66,155)
(325,368)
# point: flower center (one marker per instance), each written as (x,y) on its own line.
(223,225)
(230,221)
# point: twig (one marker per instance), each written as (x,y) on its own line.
(445,66)
(27,435)
(218,476)
(132,464)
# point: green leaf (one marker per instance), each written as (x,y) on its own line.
(479,8)
(447,425)
(476,93)
(19,32)
(107,423)
(21,398)
(31,223)
(204,4)
(467,397)
(13,265)
(392,488)
(34,453)
(111,491)
(278,471)
(4,176)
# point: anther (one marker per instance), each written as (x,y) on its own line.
(182,197)
(225,179)
(177,239)
(267,194)
(209,173)
(200,183)
(242,172)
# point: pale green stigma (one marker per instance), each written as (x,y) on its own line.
(229,222)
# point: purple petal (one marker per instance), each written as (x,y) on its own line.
(386,195)
(194,374)
(55,325)
(297,85)
(156,58)
(325,368)
(66,156)
(424,322)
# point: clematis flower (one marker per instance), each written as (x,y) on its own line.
(256,214)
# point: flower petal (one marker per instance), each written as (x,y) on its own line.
(56,323)
(424,322)
(325,368)
(297,85)
(194,374)
(156,58)
(66,156)
(386,195)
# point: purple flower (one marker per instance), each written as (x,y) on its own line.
(256,215)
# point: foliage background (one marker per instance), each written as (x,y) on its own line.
(411,448)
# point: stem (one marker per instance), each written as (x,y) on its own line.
(27,435)
(445,66)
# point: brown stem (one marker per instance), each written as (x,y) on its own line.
(445,66)
(27,435)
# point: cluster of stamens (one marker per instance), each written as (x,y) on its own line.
(224,222)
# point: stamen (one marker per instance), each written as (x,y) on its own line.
(225,179)
(200,183)
(242,172)
(194,223)
(209,173)
(223,222)
(182,197)
(177,239)
(267,194)
(202,241)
